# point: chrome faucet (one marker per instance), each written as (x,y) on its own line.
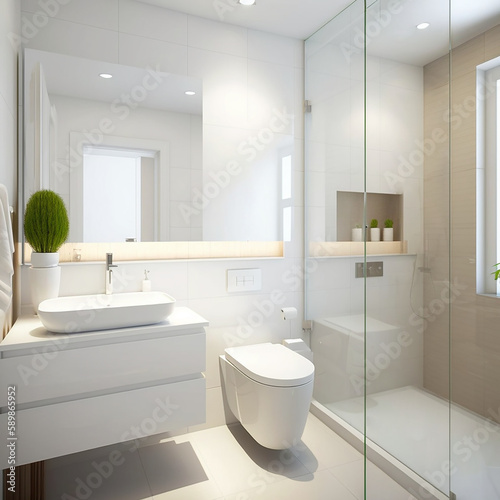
(109,273)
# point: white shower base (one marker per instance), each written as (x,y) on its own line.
(415,427)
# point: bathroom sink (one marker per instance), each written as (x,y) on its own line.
(84,313)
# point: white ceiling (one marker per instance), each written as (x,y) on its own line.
(292,18)
(399,40)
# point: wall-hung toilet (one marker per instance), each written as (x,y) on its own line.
(269,389)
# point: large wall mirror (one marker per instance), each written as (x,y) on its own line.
(124,148)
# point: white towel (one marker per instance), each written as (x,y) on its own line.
(4,201)
(6,251)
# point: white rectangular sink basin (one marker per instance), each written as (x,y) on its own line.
(84,313)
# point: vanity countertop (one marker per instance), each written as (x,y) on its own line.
(28,333)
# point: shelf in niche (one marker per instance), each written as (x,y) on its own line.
(356,248)
(380,206)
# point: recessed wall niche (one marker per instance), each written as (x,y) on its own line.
(380,206)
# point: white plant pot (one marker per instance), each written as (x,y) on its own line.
(357,234)
(388,234)
(44,259)
(375,234)
(45,277)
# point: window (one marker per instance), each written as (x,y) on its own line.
(488,176)
(286,196)
(118,194)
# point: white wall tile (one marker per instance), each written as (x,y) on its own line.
(9,26)
(401,75)
(279,276)
(88,278)
(299,102)
(316,223)
(196,233)
(402,120)
(9,47)
(328,274)
(196,150)
(180,184)
(75,39)
(224,86)
(140,51)
(180,234)
(299,55)
(316,189)
(271,97)
(272,48)
(216,36)
(90,12)
(150,21)
(324,304)
(8,148)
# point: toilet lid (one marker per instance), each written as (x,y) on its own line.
(271,364)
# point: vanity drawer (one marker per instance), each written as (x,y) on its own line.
(47,373)
(60,429)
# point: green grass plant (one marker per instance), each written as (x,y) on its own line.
(46,223)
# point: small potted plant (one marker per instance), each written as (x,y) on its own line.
(374,230)
(357,233)
(496,273)
(46,227)
(388,230)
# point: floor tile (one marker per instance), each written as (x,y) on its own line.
(238,463)
(114,473)
(174,471)
(221,463)
(319,486)
(379,485)
(320,448)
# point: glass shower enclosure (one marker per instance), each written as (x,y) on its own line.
(406,354)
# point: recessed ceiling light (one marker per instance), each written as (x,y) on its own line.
(105,75)
(190,92)
(246,2)
(423,26)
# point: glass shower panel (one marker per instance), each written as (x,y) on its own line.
(334,148)
(335,185)
(407,311)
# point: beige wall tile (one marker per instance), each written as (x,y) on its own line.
(467,56)
(492,43)
(436,98)
(465,390)
(475,353)
(463,151)
(463,198)
(436,73)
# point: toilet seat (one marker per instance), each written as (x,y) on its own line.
(271,364)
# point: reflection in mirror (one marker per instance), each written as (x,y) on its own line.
(210,182)
(144,115)
(120,184)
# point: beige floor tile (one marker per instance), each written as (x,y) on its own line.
(237,462)
(319,486)
(321,448)
(379,485)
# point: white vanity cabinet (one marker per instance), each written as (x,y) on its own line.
(79,391)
